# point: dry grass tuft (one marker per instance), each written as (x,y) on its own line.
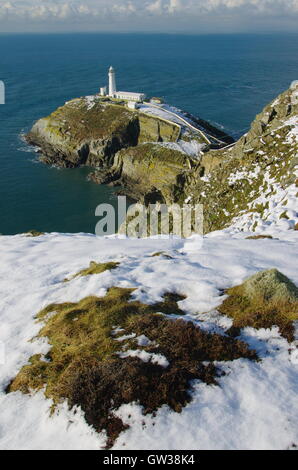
(33,233)
(259,237)
(94,268)
(163,254)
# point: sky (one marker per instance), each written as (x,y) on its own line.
(185,16)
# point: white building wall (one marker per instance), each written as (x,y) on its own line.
(132,105)
(127,95)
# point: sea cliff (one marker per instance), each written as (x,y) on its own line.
(162,154)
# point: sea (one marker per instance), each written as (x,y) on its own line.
(226,79)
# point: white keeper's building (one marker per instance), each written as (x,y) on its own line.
(121,95)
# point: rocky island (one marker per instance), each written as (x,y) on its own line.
(159,153)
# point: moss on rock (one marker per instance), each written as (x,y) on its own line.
(124,147)
(266,299)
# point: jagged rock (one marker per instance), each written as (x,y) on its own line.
(235,177)
(150,173)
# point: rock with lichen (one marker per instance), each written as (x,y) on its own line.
(264,300)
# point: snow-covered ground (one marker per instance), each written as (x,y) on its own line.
(163,111)
(255,406)
(170,113)
(192,148)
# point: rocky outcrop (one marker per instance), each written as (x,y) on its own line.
(239,180)
(124,146)
(152,172)
(152,129)
(77,134)
(147,156)
(90,131)
(264,300)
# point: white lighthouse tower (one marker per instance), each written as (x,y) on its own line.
(132,98)
(112,82)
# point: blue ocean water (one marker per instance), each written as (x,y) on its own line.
(226,79)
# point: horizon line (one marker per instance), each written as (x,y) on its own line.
(161,33)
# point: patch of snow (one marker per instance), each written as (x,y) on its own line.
(239,175)
(145,357)
(292,136)
(142,340)
(125,337)
(159,112)
(192,148)
(275,103)
(206,178)
(90,101)
(117,330)
(276,201)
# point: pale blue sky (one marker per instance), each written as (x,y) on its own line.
(193,16)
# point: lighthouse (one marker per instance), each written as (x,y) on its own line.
(128,96)
(112,82)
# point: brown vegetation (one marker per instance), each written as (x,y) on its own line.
(83,366)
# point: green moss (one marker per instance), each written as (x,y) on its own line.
(150,168)
(95,268)
(284,215)
(254,226)
(154,129)
(266,299)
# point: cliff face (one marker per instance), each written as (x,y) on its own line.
(152,129)
(152,173)
(239,181)
(89,131)
(124,147)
